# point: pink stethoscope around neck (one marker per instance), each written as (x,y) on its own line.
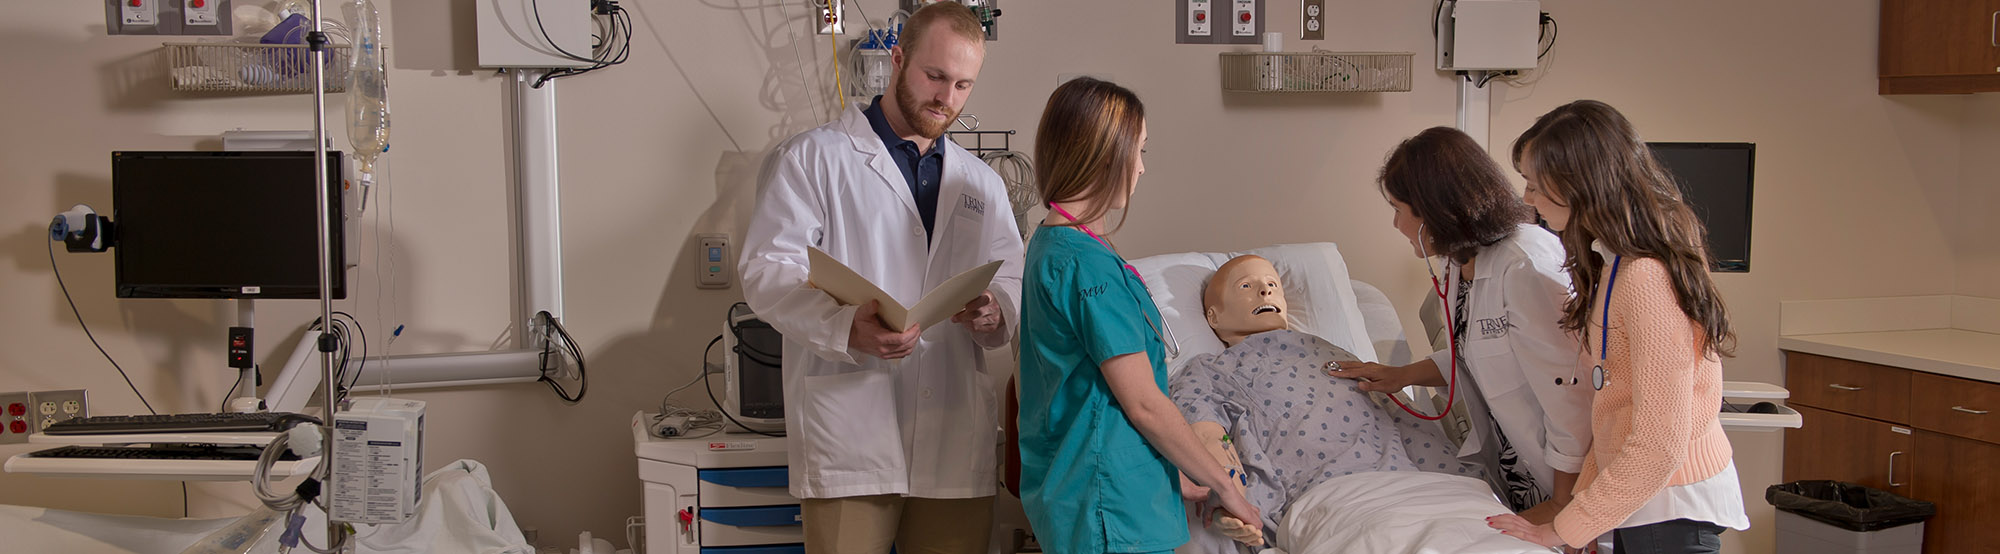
(1167,337)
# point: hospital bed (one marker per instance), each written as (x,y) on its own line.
(1379,512)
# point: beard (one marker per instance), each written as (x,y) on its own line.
(916,114)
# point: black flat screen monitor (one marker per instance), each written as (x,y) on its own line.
(1716,179)
(222,225)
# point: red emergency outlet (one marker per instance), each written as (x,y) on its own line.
(17,409)
(198,3)
(18,426)
(1245,16)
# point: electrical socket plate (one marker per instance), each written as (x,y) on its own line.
(832,17)
(168,17)
(1314,20)
(1222,19)
(58,405)
(713,262)
(15,427)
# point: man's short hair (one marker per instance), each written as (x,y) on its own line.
(957,17)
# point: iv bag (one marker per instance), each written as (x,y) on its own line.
(367,86)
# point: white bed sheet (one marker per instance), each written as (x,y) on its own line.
(1398,512)
(459,514)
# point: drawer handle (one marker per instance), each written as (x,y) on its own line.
(1991,24)
(1892,469)
(1968,410)
(1849,388)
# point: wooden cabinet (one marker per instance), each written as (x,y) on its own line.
(1864,451)
(1939,46)
(1920,435)
(1958,475)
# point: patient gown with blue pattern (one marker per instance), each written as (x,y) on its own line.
(1294,426)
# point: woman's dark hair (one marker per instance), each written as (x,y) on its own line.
(1449,182)
(1087,146)
(1588,157)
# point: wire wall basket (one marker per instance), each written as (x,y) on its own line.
(241,67)
(1316,71)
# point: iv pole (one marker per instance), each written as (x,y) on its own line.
(328,343)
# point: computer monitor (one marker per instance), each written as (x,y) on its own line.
(223,225)
(1716,179)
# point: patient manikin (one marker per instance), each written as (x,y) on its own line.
(1266,410)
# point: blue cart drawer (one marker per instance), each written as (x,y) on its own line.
(770,549)
(747,476)
(767,516)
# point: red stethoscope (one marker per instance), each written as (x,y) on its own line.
(1451,337)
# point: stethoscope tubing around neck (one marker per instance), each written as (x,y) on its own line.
(1167,337)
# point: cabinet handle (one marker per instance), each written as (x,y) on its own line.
(1991,24)
(1849,388)
(1892,469)
(1969,410)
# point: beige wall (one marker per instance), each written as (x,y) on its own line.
(1857,194)
(1976,247)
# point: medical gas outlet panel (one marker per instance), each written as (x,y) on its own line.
(724,493)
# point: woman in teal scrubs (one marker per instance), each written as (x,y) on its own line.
(1100,442)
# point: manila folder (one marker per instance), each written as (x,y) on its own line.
(851,289)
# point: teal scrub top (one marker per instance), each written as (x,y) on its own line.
(1089,480)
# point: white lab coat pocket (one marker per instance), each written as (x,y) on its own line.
(851,419)
(1492,363)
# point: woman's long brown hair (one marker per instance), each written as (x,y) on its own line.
(1087,144)
(1589,158)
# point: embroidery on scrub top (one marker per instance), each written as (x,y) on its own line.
(1167,337)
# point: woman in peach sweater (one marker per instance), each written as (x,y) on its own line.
(1658,474)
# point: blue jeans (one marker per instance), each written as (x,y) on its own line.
(1680,536)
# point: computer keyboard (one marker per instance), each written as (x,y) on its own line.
(179,423)
(160,452)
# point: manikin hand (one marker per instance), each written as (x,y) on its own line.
(980,316)
(869,336)
(1237,519)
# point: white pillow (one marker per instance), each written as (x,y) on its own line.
(1317,290)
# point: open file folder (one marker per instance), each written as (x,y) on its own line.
(851,289)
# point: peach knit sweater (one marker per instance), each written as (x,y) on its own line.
(1654,423)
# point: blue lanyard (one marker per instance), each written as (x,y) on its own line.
(1604,343)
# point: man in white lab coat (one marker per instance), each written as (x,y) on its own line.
(887,452)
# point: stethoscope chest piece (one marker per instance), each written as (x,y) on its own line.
(1597,377)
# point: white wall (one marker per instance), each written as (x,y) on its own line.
(1857,194)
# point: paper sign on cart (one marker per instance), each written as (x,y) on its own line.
(851,289)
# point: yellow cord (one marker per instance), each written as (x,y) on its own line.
(833,40)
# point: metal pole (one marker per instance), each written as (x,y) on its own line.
(317,41)
(541,201)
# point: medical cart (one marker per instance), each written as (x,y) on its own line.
(726,493)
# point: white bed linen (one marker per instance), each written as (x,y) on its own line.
(1397,512)
(459,513)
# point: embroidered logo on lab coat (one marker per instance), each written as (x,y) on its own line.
(1493,327)
(973,204)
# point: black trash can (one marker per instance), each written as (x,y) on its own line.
(1832,517)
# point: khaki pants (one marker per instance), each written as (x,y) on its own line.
(868,524)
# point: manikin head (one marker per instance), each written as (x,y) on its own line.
(1244,298)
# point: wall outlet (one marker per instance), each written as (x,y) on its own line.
(832,17)
(199,13)
(714,264)
(59,405)
(16,417)
(1314,20)
(1200,13)
(1243,18)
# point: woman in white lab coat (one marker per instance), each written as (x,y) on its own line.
(1504,291)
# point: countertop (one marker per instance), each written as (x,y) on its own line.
(1954,352)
